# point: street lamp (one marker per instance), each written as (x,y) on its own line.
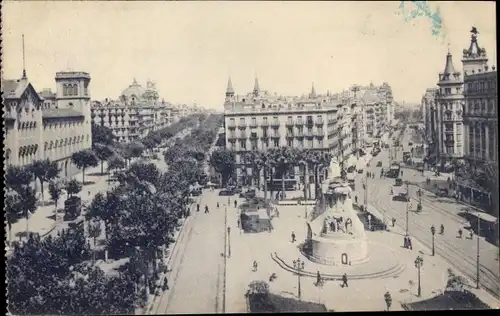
(229,241)
(477,253)
(433,232)
(407,205)
(299,266)
(419,262)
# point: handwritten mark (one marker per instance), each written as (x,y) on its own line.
(421,8)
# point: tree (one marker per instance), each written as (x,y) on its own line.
(223,162)
(17,177)
(55,190)
(94,229)
(84,159)
(455,282)
(73,187)
(28,202)
(116,162)
(145,172)
(135,149)
(44,170)
(102,135)
(103,153)
(13,208)
(283,159)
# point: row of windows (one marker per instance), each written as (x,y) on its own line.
(70,89)
(481,86)
(65,142)
(26,125)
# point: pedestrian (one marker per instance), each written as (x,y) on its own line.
(401,172)
(318,278)
(235,203)
(255,266)
(393,222)
(206,209)
(442,229)
(217,204)
(165,284)
(197,207)
(409,243)
(356,199)
(293,237)
(406,242)
(471,233)
(344,281)
(460,233)
(238,222)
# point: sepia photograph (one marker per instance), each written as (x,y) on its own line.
(213,157)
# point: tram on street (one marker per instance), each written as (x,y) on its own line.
(393,171)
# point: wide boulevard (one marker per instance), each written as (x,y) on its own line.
(461,253)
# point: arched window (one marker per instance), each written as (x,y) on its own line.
(75,89)
(65,89)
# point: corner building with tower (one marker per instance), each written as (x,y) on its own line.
(47,125)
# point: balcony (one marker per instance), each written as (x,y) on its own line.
(319,122)
(264,124)
(275,135)
(309,123)
(242,126)
(253,125)
(275,124)
(265,136)
(289,123)
(309,134)
(319,134)
(289,135)
(448,131)
(299,122)
(231,126)
(243,136)
(299,134)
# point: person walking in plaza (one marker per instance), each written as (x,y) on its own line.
(393,222)
(197,207)
(401,172)
(293,237)
(235,203)
(471,234)
(409,243)
(318,279)
(441,230)
(460,233)
(344,280)
(356,199)
(254,269)
(217,204)
(206,209)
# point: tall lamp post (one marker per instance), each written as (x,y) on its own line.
(433,232)
(407,205)
(419,262)
(477,251)
(229,242)
(299,266)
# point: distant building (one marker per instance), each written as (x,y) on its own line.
(428,106)
(135,114)
(47,125)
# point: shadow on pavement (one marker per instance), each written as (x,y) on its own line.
(452,300)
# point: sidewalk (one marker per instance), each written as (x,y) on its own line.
(42,221)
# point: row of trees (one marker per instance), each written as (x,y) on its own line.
(275,163)
(139,216)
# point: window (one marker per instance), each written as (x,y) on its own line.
(276,143)
(254,121)
(290,143)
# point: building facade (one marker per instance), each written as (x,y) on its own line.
(428,106)
(480,121)
(259,121)
(449,103)
(54,128)
(135,114)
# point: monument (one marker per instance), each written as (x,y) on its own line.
(336,236)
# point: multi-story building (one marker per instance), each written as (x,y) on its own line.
(479,113)
(260,120)
(428,107)
(449,103)
(135,114)
(54,128)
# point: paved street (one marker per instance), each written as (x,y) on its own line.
(459,252)
(196,278)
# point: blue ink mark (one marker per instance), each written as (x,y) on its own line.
(421,8)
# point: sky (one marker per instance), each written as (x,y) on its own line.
(191,48)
